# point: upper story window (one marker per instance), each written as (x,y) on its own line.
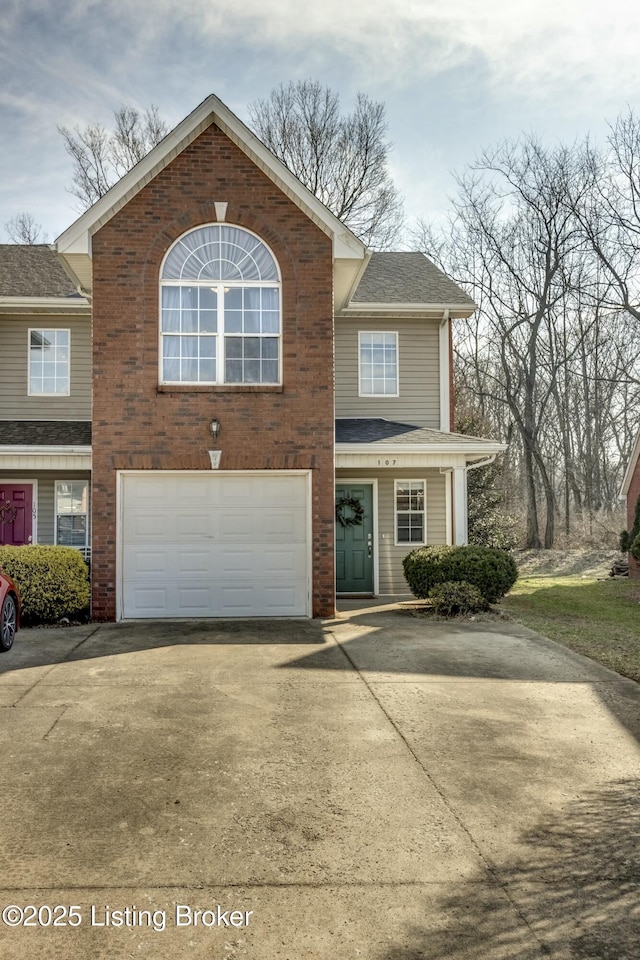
(220,309)
(378,364)
(49,363)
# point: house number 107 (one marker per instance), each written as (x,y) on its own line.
(386,463)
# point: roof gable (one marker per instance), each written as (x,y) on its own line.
(76,240)
(407,279)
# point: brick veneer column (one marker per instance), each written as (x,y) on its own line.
(137,425)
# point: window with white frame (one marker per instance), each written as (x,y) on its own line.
(378,364)
(411,518)
(72,512)
(49,362)
(220,309)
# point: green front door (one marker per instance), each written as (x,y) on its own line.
(354,538)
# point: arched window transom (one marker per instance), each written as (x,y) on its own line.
(220,309)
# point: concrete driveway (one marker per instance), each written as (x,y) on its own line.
(375,787)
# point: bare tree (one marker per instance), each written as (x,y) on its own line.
(512,241)
(550,355)
(101,157)
(342,159)
(609,211)
(23,229)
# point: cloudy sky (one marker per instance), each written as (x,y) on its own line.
(456,75)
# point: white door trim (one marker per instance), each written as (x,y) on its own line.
(376,551)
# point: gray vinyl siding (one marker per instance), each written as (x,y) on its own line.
(15,404)
(46,497)
(391,577)
(418,363)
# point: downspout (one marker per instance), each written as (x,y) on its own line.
(481,463)
(444,351)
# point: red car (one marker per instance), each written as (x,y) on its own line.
(9,611)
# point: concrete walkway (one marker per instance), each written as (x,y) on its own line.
(378,787)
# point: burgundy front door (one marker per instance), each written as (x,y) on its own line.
(16,513)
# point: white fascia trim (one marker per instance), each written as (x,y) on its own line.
(45,305)
(358,277)
(631,466)
(466,449)
(77,238)
(460,309)
(45,451)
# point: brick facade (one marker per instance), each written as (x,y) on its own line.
(632,496)
(139,425)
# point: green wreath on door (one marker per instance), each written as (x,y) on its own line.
(349,512)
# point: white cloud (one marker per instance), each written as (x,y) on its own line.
(454,73)
(537,45)
(545,51)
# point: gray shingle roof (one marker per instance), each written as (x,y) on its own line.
(46,433)
(33,270)
(378,430)
(407,278)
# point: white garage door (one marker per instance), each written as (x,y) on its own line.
(214,545)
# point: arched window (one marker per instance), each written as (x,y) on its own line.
(220,309)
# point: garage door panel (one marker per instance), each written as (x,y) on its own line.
(149,525)
(218,562)
(148,562)
(285,525)
(194,600)
(186,525)
(151,598)
(214,546)
(283,494)
(192,562)
(240,525)
(142,490)
(198,600)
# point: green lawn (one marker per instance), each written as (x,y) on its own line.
(597,618)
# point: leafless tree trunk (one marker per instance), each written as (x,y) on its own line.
(511,241)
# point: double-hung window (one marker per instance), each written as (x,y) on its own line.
(72,510)
(411,519)
(220,311)
(49,363)
(378,364)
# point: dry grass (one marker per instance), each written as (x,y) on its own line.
(567,595)
(598,617)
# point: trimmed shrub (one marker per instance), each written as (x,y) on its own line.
(456,596)
(53,581)
(493,572)
(634,547)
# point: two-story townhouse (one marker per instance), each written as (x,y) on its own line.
(45,400)
(395,449)
(249,354)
